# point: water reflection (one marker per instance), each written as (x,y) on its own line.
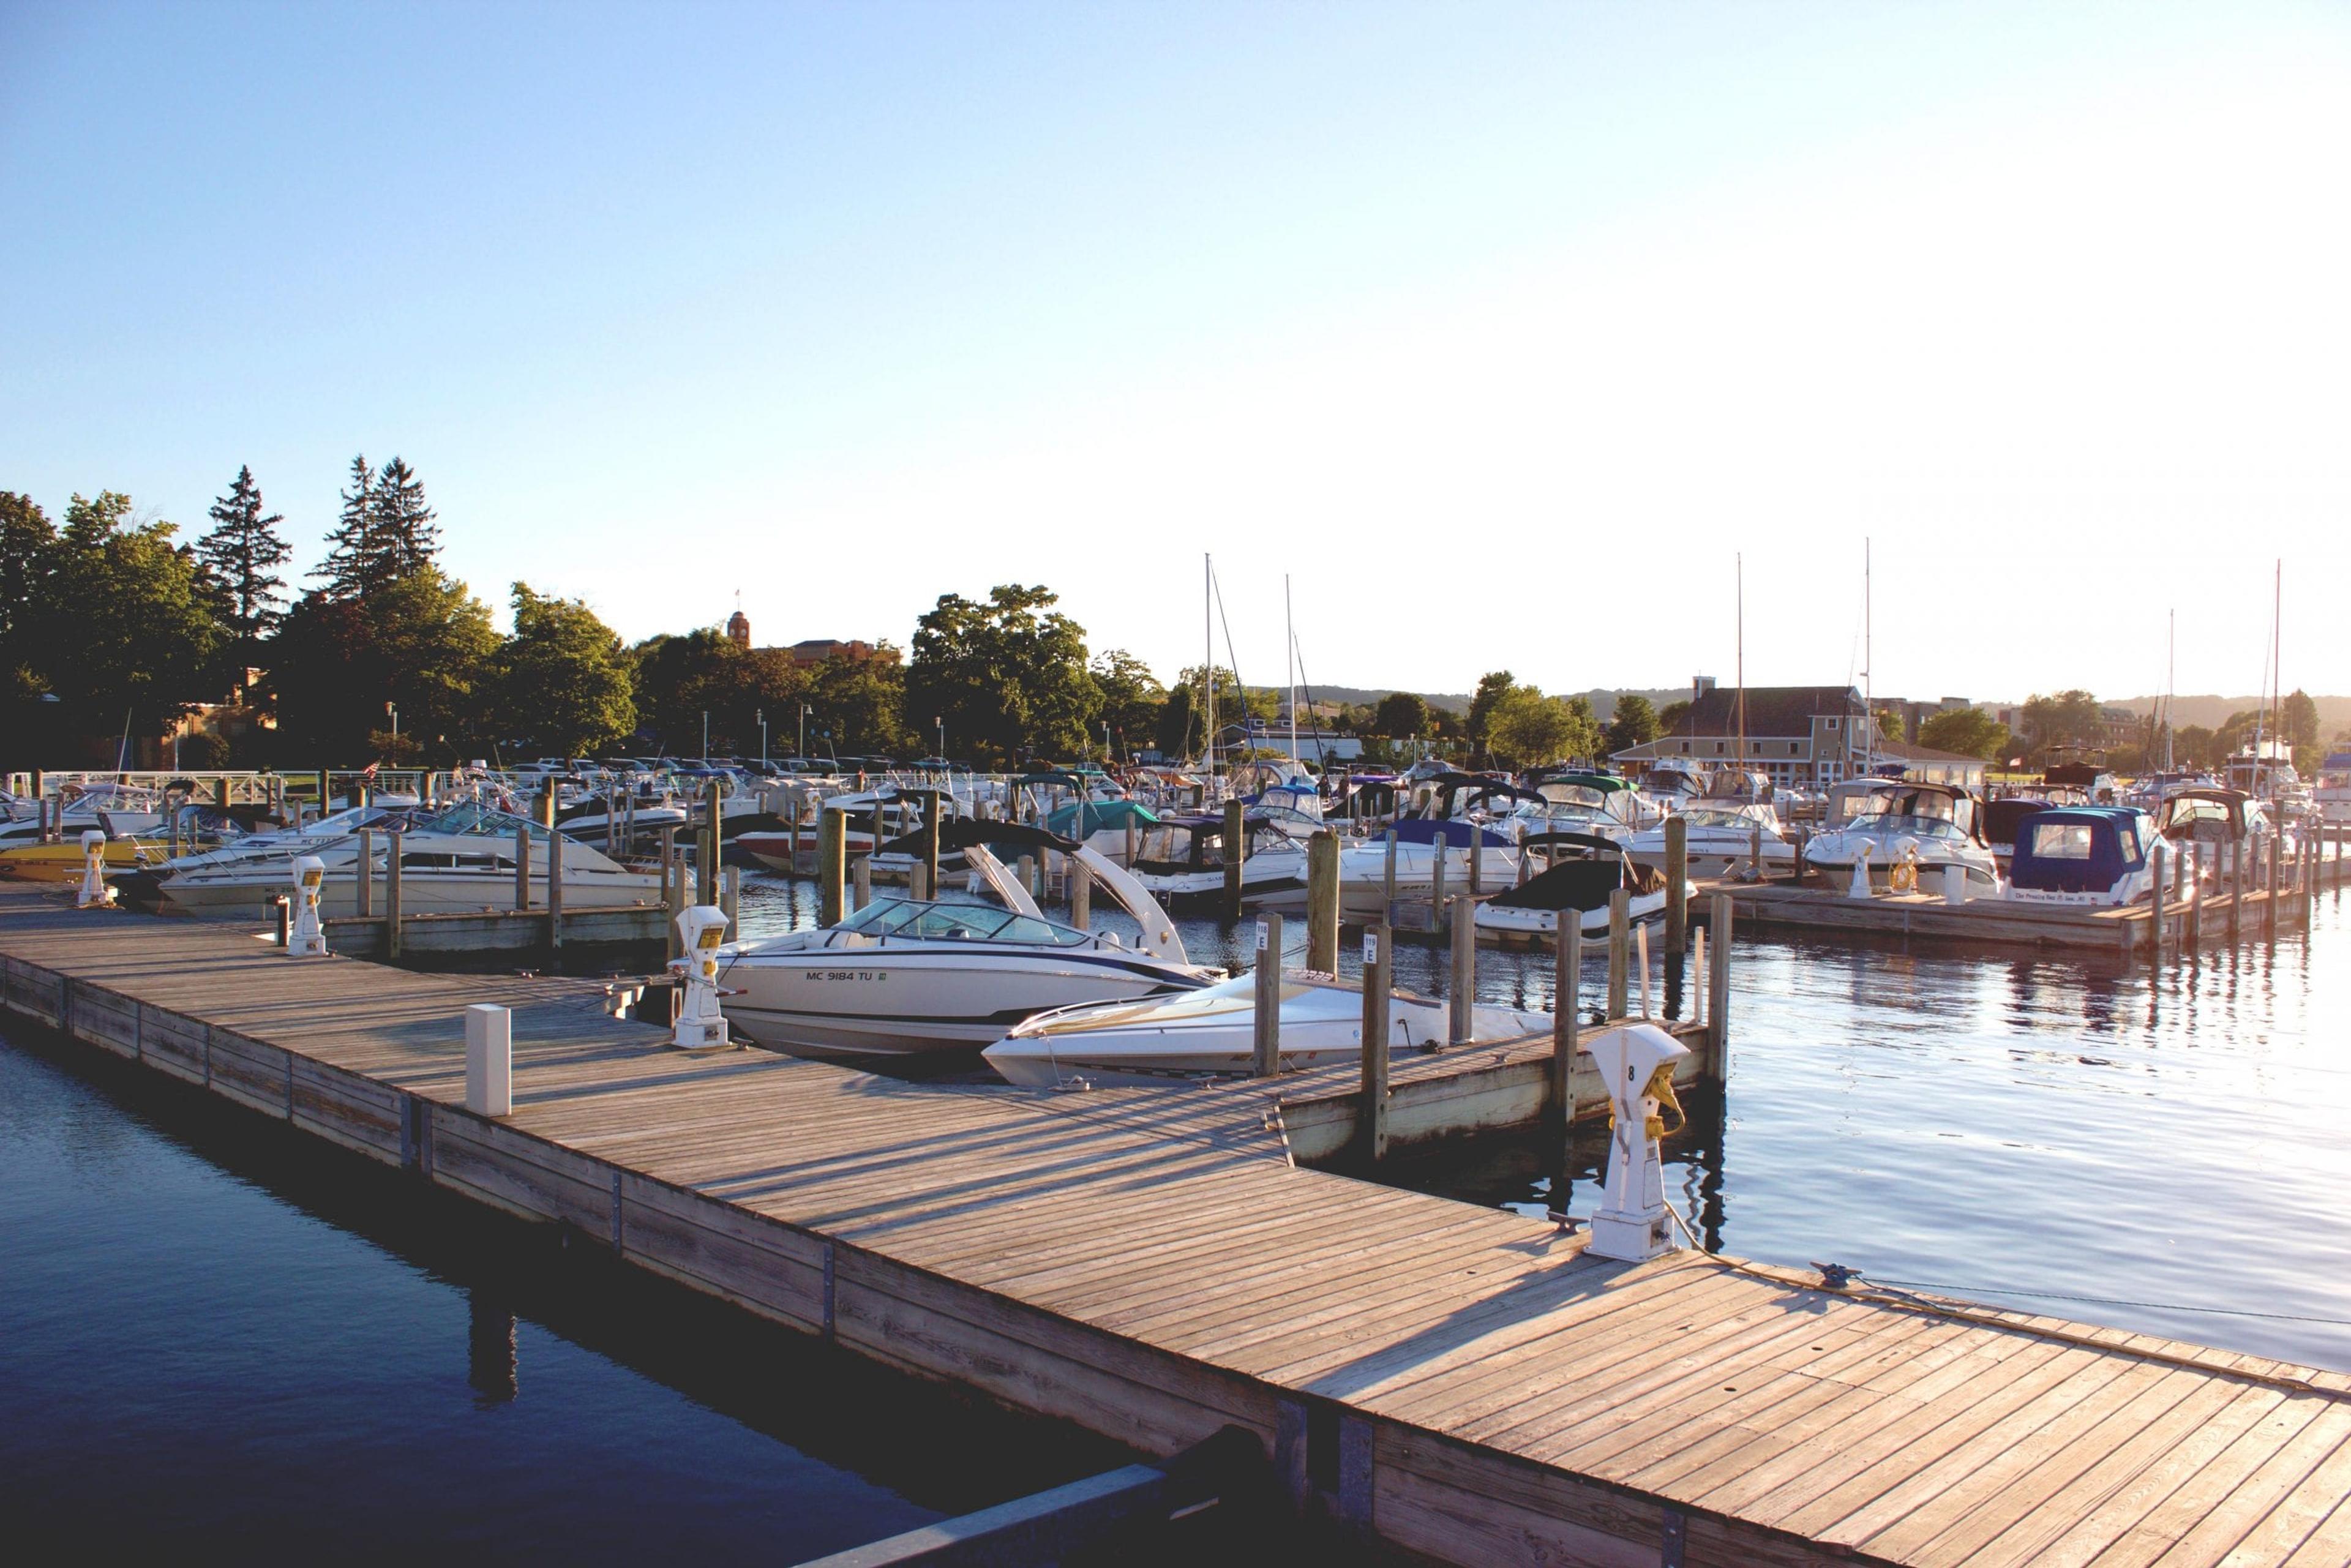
(492,1360)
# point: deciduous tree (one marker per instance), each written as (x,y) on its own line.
(564,685)
(1007,675)
(1634,723)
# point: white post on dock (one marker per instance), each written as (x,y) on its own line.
(701,1024)
(1265,982)
(306,937)
(1631,1224)
(1955,885)
(489,1061)
(95,893)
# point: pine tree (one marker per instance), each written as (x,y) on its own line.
(239,556)
(350,552)
(404,530)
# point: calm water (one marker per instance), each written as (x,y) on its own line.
(218,1336)
(2072,1125)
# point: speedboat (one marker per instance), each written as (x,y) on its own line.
(2196,815)
(2096,855)
(1420,844)
(1917,832)
(2331,796)
(906,977)
(1182,860)
(1212,1033)
(1721,838)
(460,860)
(1107,826)
(1584,874)
(1583,803)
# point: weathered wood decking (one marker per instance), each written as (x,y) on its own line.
(1463,1382)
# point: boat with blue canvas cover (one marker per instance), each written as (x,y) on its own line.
(2095,855)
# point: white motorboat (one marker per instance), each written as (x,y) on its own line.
(460,860)
(1586,870)
(912,977)
(2194,815)
(1182,860)
(1212,1033)
(1420,845)
(2331,797)
(1723,839)
(1581,802)
(1916,832)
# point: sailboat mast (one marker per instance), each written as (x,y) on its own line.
(2170,684)
(1740,621)
(1290,647)
(2277,670)
(1868,667)
(1208,660)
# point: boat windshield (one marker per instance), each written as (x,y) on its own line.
(1897,823)
(1717,817)
(958,922)
(474,819)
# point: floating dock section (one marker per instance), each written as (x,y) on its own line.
(1461,1382)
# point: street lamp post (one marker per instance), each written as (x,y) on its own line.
(706,735)
(763,736)
(803,729)
(393,709)
(942,723)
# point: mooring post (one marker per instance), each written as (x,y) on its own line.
(2154,905)
(324,785)
(730,898)
(2194,940)
(489,1061)
(1620,949)
(1025,869)
(1461,993)
(391,894)
(1322,902)
(521,868)
(832,843)
(1437,906)
(1796,864)
(863,886)
(932,807)
(1387,896)
(1477,859)
(1236,852)
(673,888)
(1266,983)
(1699,969)
(363,868)
(1718,988)
(918,883)
(1373,1117)
(1082,896)
(554,891)
(1677,885)
(713,841)
(1566,987)
(2269,910)
(545,804)
(2235,851)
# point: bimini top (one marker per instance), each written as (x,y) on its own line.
(1115,815)
(960,834)
(1454,833)
(1583,884)
(2079,849)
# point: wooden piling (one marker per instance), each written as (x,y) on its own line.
(2193,941)
(1437,906)
(864,887)
(522,869)
(673,888)
(932,806)
(2155,913)
(1025,869)
(1266,1036)
(713,841)
(1462,991)
(544,807)
(1620,949)
(730,898)
(1477,859)
(830,843)
(1372,1122)
(1718,988)
(1387,896)
(1566,987)
(2269,910)
(1677,885)
(363,868)
(1236,847)
(918,883)
(2235,850)
(1322,902)
(391,894)
(1082,896)
(554,891)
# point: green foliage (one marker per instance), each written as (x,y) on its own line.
(860,705)
(1007,675)
(564,685)
(385,532)
(420,643)
(2069,718)
(123,619)
(27,542)
(2193,745)
(1670,716)
(1132,698)
(1492,687)
(681,680)
(1530,729)
(1634,723)
(240,557)
(1889,724)
(1401,716)
(1968,732)
(1173,733)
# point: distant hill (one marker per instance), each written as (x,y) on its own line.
(2212,712)
(1603,701)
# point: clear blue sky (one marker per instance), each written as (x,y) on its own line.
(1500,327)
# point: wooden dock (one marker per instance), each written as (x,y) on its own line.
(1460,1381)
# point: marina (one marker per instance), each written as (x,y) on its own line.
(954,1230)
